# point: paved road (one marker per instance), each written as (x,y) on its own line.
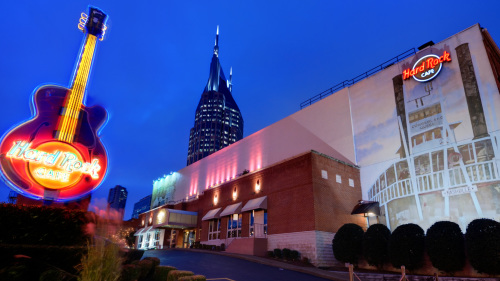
(224,268)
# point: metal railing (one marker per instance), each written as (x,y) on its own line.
(358,78)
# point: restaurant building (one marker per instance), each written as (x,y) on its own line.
(417,134)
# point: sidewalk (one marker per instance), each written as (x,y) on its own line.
(331,275)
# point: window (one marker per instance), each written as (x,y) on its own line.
(156,242)
(214,229)
(139,245)
(234,226)
(258,223)
(148,237)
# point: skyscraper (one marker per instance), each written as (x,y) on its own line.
(218,121)
(141,206)
(117,198)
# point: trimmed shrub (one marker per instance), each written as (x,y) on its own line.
(376,244)
(155,260)
(146,267)
(445,246)
(193,278)
(286,253)
(270,254)
(42,225)
(130,255)
(406,246)
(174,275)
(482,240)
(347,243)
(130,272)
(294,255)
(53,274)
(277,253)
(161,272)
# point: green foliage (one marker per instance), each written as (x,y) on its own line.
(64,257)
(376,245)
(277,253)
(445,246)
(193,278)
(174,275)
(286,253)
(270,254)
(130,255)
(53,274)
(130,272)
(146,266)
(102,263)
(161,272)
(294,255)
(347,243)
(482,240)
(406,246)
(155,260)
(42,225)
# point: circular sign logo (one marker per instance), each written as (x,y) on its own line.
(427,67)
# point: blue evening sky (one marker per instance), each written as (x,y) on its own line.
(152,67)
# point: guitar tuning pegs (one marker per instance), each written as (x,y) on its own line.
(104,27)
(82,22)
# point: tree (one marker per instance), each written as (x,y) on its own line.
(347,243)
(376,244)
(445,246)
(406,246)
(482,240)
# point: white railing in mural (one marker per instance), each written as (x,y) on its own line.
(481,172)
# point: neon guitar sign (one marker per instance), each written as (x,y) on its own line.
(57,154)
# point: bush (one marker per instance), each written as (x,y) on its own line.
(146,267)
(482,240)
(42,225)
(193,278)
(270,254)
(376,244)
(161,272)
(347,243)
(53,274)
(277,253)
(130,272)
(222,247)
(130,255)
(217,248)
(406,246)
(445,246)
(65,257)
(155,260)
(294,255)
(174,275)
(286,253)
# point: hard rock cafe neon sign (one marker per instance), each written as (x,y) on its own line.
(427,67)
(58,154)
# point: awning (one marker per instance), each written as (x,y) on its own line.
(212,214)
(231,209)
(257,203)
(138,232)
(143,230)
(366,208)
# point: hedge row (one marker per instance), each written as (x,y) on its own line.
(36,225)
(444,243)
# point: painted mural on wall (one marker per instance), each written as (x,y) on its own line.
(428,149)
(163,190)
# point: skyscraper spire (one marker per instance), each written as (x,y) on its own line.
(216,47)
(230,83)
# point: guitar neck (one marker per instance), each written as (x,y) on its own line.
(74,100)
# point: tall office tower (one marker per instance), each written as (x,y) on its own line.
(218,121)
(117,198)
(141,206)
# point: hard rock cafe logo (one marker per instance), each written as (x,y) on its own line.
(54,164)
(427,68)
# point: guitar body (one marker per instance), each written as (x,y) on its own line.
(50,177)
